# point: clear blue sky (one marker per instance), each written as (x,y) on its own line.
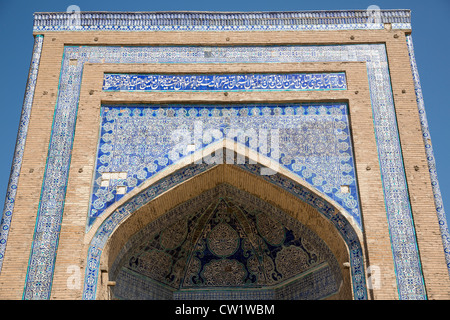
(431,39)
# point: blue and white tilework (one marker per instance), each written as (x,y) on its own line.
(20,144)
(225,82)
(430,154)
(136,142)
(222,21)
(406,257)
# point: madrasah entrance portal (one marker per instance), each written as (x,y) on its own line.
(218,155)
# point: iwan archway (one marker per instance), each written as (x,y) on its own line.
(95,163)
(225,232)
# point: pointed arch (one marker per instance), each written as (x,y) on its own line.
(191,177)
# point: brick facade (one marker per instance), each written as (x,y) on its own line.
(74,239)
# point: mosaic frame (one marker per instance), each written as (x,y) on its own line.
(410,283)
(319,21)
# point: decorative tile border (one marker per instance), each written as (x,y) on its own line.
(120,214)
(430,154)
(225,82)
(20,145)
(409,273)
(221,21)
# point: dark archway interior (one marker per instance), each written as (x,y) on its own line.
(225,244)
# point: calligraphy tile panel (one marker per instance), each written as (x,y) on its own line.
(225,82)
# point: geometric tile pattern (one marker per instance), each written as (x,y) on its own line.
(222,21)
(404,247)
